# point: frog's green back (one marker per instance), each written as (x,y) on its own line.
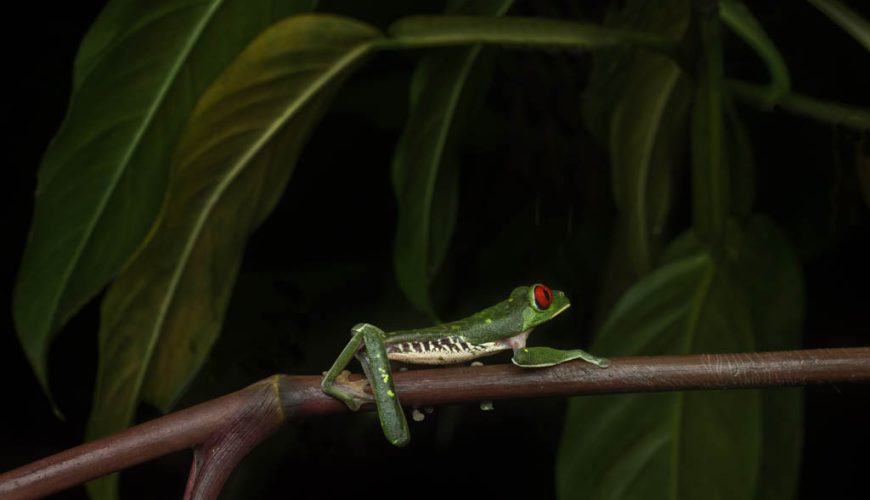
(510,317)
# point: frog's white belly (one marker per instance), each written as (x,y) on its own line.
(441,352)
(449,350)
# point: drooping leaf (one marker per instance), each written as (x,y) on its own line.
(635,102)
(425,168)
(236,154)
(851,22)
(710,176)
(613,74)
(138,74)
(647,141)
(739,18)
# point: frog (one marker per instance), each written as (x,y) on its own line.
(500,327)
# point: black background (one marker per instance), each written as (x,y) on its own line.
(305,271)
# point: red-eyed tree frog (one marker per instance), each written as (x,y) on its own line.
(500,327)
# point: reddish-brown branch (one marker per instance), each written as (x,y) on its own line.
(281,398)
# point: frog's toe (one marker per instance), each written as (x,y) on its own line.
(354,388)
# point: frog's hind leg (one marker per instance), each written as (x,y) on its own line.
(377,367)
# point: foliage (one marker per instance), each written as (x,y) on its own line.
(204,108)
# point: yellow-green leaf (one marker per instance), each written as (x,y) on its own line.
(138,73)
(236,154)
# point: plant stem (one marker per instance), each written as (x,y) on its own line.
(823,111)
(282,398)
(416,32)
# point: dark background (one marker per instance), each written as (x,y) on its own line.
(534,202)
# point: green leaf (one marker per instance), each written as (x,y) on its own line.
(425,168)
(738,17)
(236,154)
(769,273)
(696,445)
(710,176)
(676,445)
(851,22)
(613,74)
(647,140)
(138,74)
(635,102)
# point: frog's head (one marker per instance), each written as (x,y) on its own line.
(540,304)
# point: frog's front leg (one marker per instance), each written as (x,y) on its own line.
(353,399)
(538,357)
(377,368)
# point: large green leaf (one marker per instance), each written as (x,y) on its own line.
(138,74)
(425,168)
(674,445)
(728,444)
(647,141)
(769,272)
(739,18)
(237,152)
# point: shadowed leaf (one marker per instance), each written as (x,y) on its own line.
(647,141)
(675,445)
(163,313)
(707,444)
(425,169)
(138,74)
(613,73)
(769,273)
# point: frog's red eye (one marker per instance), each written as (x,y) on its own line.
(543,297)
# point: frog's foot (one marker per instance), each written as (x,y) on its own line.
(357,387)
(537,357)
(352,392)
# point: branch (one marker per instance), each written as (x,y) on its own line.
(251,414)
